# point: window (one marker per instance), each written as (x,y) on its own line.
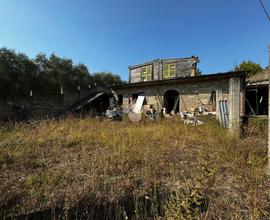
(147,73)
(169,70)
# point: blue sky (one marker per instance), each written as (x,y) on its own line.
(110,35)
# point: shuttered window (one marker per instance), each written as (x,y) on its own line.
(169,70)
(147,73)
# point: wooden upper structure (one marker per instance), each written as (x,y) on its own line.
(161,69)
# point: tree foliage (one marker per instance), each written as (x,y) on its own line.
(106,78)
(198,72)
(19,74)
(249,66)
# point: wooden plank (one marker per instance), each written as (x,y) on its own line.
(138,105)
(135,75)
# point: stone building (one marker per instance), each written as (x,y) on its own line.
(170,84)
(173,84)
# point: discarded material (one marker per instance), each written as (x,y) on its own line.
(139,103)
(114,115)
(134,117)
(224,115)
(194,121)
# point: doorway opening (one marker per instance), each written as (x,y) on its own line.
(257,100)
(171,101)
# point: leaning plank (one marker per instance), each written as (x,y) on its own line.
(139,104)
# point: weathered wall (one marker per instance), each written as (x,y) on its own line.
(54,103)
(156,70)
(135,75)
(184,67)
(192,94)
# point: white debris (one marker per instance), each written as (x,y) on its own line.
(193,121)
(139,103)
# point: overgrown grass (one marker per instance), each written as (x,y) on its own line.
(121,170)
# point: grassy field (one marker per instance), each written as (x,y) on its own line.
(98,169)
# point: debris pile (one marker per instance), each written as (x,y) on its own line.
(114,114)
(103,102)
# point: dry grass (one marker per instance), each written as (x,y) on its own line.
(115,170)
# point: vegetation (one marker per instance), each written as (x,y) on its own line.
(198,72)
(249,66)
(19,74)
(120,170)
(106,78)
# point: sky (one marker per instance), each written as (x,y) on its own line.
(110,35)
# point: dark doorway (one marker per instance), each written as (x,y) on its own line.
(135,97)
(120,99)
(257,100)
(98,106)
(171,101)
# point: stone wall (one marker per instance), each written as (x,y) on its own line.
(192,94)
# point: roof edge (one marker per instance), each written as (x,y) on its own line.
(213,76)
(160,60)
